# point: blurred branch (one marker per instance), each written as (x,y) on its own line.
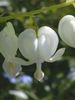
(21,16)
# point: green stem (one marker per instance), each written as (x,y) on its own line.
(35,12)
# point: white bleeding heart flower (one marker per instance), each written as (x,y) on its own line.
(66,30)
(38,49)
(8,48)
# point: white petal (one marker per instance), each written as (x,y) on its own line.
(48,42)
(11,68)
(28,44)
(66,30)
(20,61)
(57,55)
(19,94)
(8,41)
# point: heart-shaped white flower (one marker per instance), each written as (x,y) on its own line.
(41,48)
(66,30)
(8,48)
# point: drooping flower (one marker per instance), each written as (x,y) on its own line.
(39,48)
(8,48)
(66,30)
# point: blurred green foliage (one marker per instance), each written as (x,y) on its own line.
(56,85)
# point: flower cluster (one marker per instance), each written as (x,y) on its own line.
(37,47)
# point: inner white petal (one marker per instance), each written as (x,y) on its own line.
(11,68)
(38,73)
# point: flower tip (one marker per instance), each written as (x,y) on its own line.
(11,69)
(39,76)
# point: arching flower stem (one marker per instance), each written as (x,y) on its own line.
(20,16)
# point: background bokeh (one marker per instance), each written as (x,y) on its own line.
(59,80)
